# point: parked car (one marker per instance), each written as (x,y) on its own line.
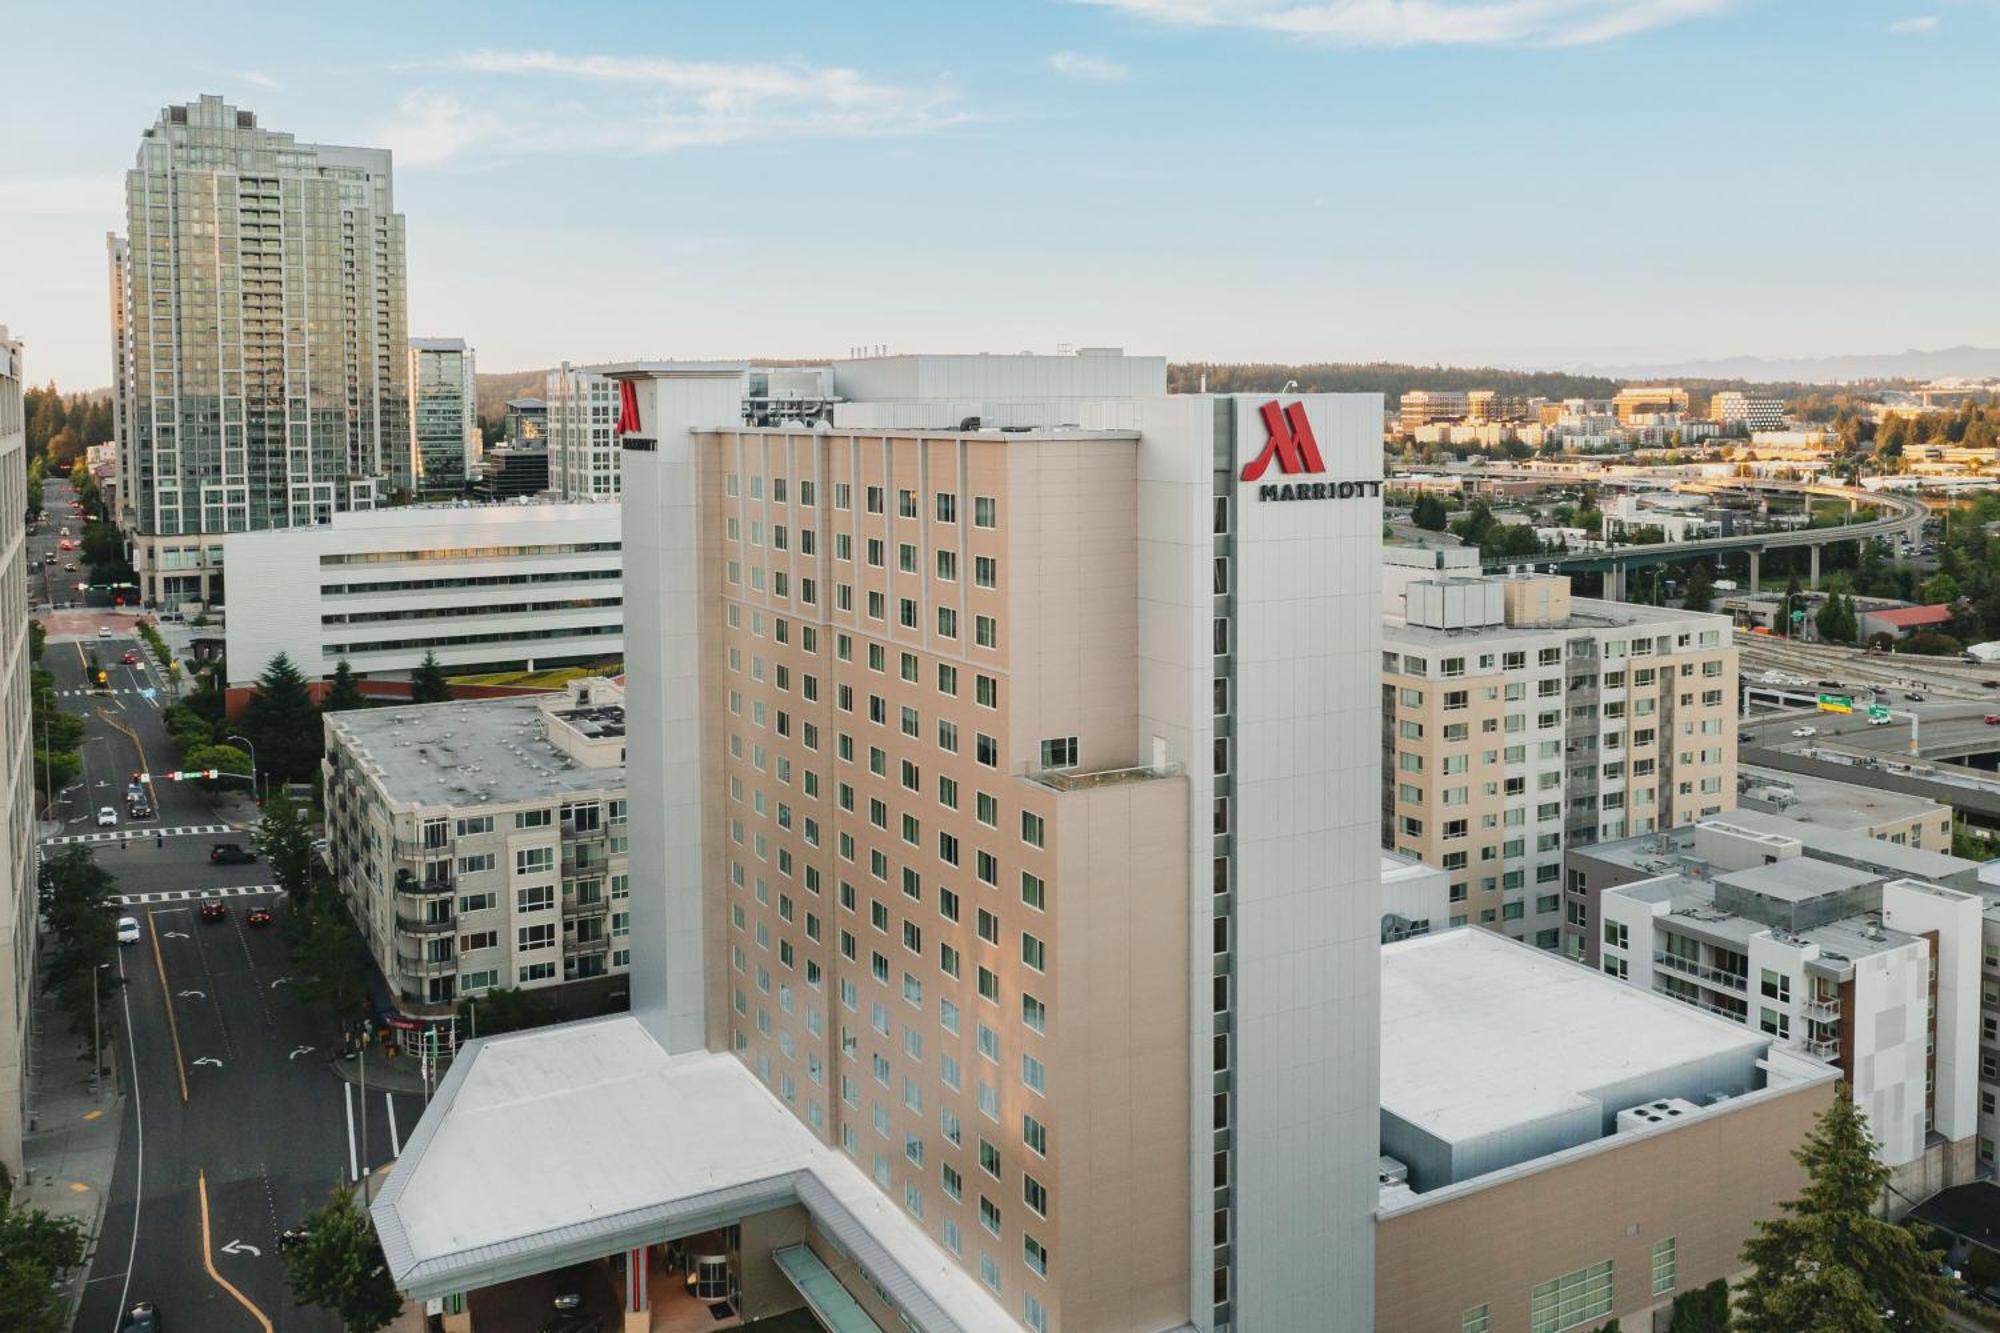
(259,916)
(1993,719)
(107,818)
(1829,684)
(214,909)
(1805,731)
(128,930)
(231,854)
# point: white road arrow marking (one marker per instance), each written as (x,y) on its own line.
(209,1060)
(177,934)
(303,1050)
(238,1247)
(279,982)
(192,994)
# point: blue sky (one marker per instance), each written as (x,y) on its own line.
(1528,182)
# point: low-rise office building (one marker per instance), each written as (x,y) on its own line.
(1832,948)
(509,587)
(1846,807)
(481,845)
(1607,1148)
(1519,720)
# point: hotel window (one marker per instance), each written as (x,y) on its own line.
(985,511)
(947,679)
(947,507)
(1664,1266)
(1034,1255)
(906,504)
(986,631)
(906,558)
(874,499)
(1035,1195)
(947,621)
(1572,1299)
(985,571)
(947,566)
(986,691)
(989,1215)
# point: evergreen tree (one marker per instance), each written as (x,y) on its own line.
(1429,513)
(1830,1264)
(339,1266)
(282,723)
(428,684)
(343,691)
(1700,594)
(286,842)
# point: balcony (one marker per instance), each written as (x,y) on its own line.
(408,883)
(1714,976)
(1822,1009)
(572,907)
(1823,1048)
(411,961)
(1062,779)
(416,849)
(1721,1010)
(423,926)
(574,948)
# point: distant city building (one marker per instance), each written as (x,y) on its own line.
(1520,720)
(485,587)
(582,409)
(1647,399)
(1492,405)
(1524,1096)
(481,844)
(526,422)
(1420,407)
(512,472)
(1859,951)
(444,414)
(1740,412)
(259,340)
(1900,622)
(18,856)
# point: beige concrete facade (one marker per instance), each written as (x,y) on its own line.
(1703,1185)
(1570,723)
(949,908)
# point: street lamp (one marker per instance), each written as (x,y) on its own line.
(96,1044)
(256,788)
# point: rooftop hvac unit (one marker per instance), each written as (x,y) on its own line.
(1389,1171)
(1655,1114)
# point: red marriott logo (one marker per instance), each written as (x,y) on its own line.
(1289,439)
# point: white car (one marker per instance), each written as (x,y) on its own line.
(107,817)
(128,930)
(1878,721)
(1805,731)
(103,631)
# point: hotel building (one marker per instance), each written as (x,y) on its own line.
(1518,720)
(18,904)
(1008,824)
(260,340)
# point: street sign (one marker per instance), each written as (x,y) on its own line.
(1878,712)
(1836,703)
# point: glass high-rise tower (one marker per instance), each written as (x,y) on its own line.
(261,331)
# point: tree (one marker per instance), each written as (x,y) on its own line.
(1703,1310)
(1836,619)
(1429,513)
(339,1266)
(226,759)
(1830,1264)
(35,1251)
(331,960)
(499,1011)
(286,841)
(1930,643)
(1940,590)
(1700,594)
(75,896)
(282,723)
(343,692)
(428,684)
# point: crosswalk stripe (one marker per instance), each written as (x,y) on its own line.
(194,895)
(138,831)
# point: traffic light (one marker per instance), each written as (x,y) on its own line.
(103,678)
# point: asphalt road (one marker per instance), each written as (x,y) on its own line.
(230,1093)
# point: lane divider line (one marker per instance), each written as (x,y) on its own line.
(395,1138)
(167,1003)
(353,1162)
(208,1262)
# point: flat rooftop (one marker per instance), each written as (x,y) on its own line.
(1586,613)
(1824,803)
(468,751)
(1481,1034)
(1798,879)
(698,1142)
(1692,910)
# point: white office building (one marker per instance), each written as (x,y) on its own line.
(1011,799)
(518,586)
(582,434)
(17,787)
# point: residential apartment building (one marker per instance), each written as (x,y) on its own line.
(1860,952)
(1611,1148)
(1646,400)
(481,845)
(260,340)
(1420,407)
(582,435)
(18,903)
(1009,828)
(444,414)
(1518,720)
(505,587)
(1741,413)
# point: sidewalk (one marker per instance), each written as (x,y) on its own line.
(72,1147)
(404,1073)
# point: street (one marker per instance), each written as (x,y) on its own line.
(235,1121)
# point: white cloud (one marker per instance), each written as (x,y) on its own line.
(638,104)
(63,196)
(1090,69)
(258,79)
(1428,22)
(1915,26)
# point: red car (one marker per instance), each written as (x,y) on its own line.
(214,909)
(130,659)
(260,916)
(1993,719)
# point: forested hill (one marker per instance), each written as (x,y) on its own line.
(1384,377)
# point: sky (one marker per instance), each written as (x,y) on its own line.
(1512,182)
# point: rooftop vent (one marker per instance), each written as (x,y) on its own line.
(1655,1114)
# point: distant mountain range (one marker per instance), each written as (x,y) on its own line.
(1945,362)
